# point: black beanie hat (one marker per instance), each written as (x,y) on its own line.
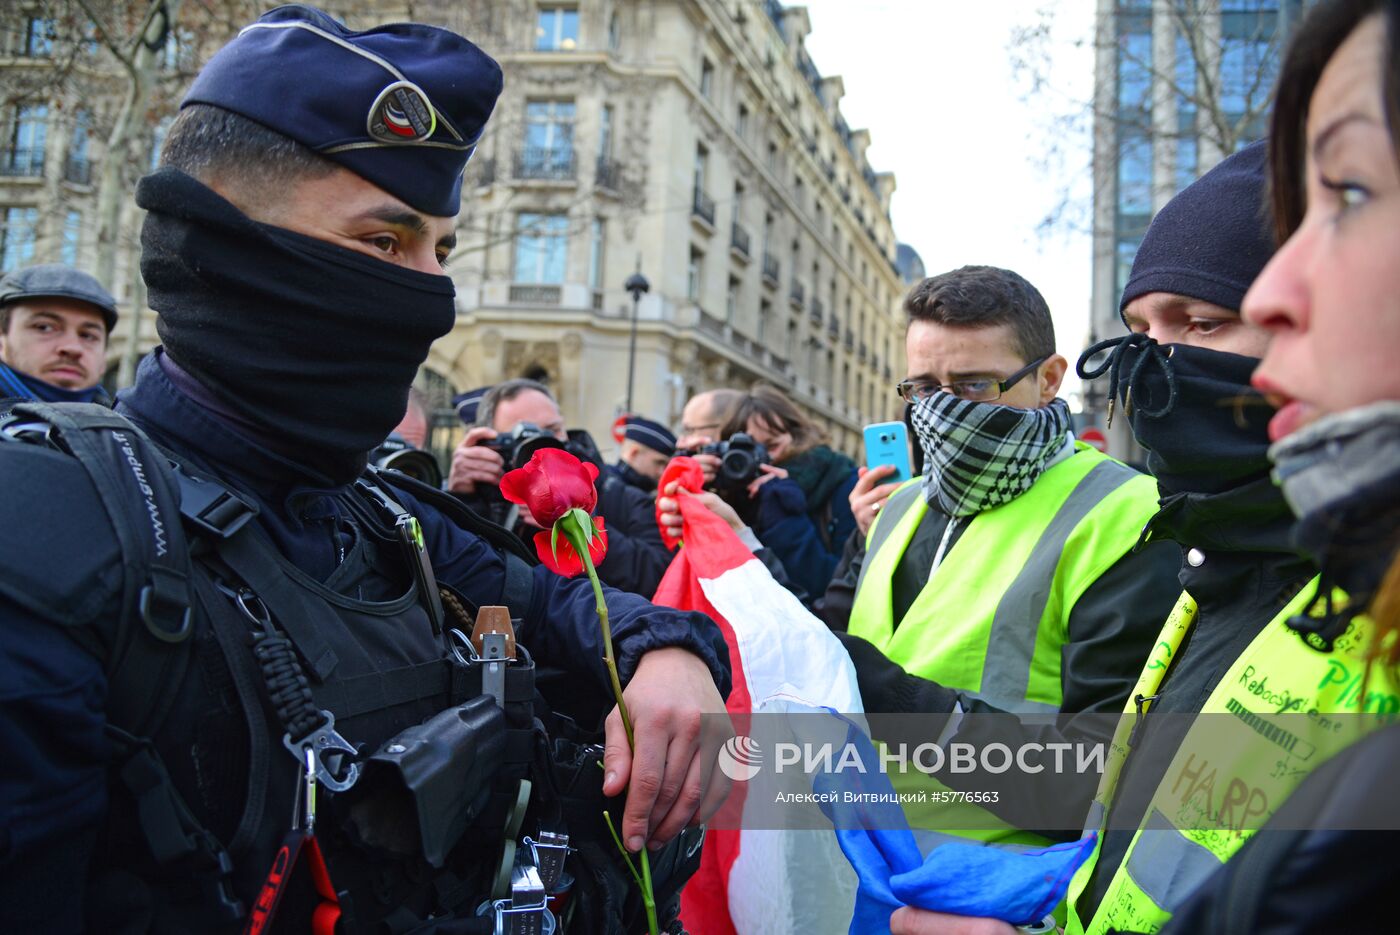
(1212,240)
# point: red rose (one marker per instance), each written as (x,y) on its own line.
(552,484)
(566,561)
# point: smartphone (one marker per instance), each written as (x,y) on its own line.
(888,443)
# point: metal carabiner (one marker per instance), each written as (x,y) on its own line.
(331,752)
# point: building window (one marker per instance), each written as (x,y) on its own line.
(731,300)
(772,156)
(25,153)
(605,133)
(77,168)
(17,235)
(790,348)
(72,232)
(595,254)
(707,77)
(765,312)
(39,34)
(702,161)
(1127,250)
(541,243)
(741,122)
(1135,71)
(615,32)
(549,137)
(1134,174)
(694,273)
(557,29)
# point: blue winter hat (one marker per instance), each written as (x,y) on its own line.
(1212,240)
(652,434)
(401,105)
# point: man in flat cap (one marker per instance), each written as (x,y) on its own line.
(256,697)
(647,446)
(54,325)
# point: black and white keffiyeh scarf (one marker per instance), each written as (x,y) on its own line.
(981,455)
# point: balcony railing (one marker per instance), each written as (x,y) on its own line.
(816,316)
(770,269)
(22,162)
(797,295)
(533,294)
(703,207)
(833,327)
(77,171)
(608,175)
(552,164)
(739,239)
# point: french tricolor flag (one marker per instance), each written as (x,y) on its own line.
(752,882)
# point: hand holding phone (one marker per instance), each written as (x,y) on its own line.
(888,443)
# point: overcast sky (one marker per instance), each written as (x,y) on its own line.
(933,82)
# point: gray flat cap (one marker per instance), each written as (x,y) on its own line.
(54,280)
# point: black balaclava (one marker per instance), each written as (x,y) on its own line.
(1204,427)
(1206,434)
(314,344)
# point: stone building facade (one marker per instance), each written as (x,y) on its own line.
(694,141)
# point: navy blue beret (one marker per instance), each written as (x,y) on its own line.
(1212,240)
(467,404)
(652,434)
(401,105)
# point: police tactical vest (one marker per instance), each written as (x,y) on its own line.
(1235,767)
(203,790)
(993,616)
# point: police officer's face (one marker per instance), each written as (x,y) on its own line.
(348,211)
(647,462)
(59,341)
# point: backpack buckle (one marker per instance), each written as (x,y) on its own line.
(211,507)
(164,606)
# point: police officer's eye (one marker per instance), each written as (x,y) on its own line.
(1207,325)
(384,242)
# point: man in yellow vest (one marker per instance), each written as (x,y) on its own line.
(1006,576)
(1249,643)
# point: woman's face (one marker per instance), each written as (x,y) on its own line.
(1331,295)
(774,438)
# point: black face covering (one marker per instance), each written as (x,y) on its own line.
(1206,433)
(314,344)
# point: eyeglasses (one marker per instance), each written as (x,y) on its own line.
(977,391)
(700,429)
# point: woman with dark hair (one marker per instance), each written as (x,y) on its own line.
(809,550)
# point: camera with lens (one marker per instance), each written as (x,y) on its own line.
(517,446)
(397,454)
(739,460)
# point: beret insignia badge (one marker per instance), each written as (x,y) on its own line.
(402,113)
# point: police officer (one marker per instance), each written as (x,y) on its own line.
(646,448)
(54,326)
(292,248)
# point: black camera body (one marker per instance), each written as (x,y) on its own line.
(739,460)
(398,454)
(517,446)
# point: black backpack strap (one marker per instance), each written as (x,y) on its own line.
(135,485)
(519,559)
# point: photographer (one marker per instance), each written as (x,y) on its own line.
(821,476)
(517,418)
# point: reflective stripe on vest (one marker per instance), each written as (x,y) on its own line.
(992,618)
(1167,860)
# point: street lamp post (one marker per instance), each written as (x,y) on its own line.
(637,285)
